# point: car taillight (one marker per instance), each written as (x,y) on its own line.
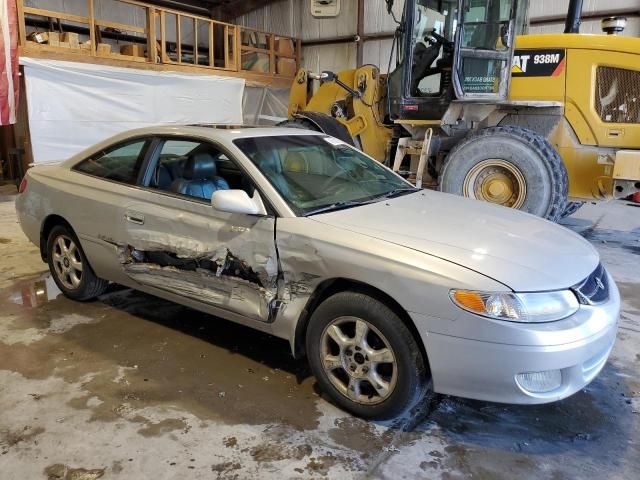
(23,185)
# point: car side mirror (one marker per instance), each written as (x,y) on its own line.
(237,201)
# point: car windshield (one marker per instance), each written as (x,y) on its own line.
(316,173)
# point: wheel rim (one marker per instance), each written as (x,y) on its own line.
(67,262)
(358,360)
(496,181)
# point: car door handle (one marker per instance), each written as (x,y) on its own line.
(136,218)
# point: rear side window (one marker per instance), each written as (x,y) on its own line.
(120,163)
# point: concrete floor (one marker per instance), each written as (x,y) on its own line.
(131,386)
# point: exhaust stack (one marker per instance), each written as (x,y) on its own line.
(572,24)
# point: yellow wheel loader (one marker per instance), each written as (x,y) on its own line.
(541,123)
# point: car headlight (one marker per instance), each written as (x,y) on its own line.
(518,307)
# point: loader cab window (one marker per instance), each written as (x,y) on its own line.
(486,43)
(435,23)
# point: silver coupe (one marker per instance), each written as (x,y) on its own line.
(389,291)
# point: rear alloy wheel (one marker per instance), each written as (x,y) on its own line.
(364,356)
(510,166)
(69,267)
(67,262)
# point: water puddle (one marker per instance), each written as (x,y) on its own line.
(32,293)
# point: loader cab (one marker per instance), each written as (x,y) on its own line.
(450,50)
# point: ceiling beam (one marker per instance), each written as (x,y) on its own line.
(230,9)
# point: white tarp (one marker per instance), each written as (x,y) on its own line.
(75,105)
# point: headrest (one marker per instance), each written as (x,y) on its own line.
(268,162)
(200,166)
(296,162)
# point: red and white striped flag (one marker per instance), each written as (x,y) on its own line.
(8,62)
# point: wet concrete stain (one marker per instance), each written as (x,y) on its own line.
(627,240)
(5,240)
(172,355)
(225,469)
(269,452)
(59,471)
(630,293)
(11,438)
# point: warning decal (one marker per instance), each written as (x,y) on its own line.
(538,63)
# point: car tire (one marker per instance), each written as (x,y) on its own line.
(406,377)
(69,266)
(522,165)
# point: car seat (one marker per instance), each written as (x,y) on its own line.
(199,178)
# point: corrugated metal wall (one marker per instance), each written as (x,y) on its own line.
(293,17)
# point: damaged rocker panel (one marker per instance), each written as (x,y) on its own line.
(219,279)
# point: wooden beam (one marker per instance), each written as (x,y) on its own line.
(121,26)
(226,46)
(253,78)
(272,53)
(22,34)
(178,39)
(52,14)
(237,51)
(92,26)
(237,8)
(152,48)
(212,53)
(163,38)
(195,41)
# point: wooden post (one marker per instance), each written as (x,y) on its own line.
(212,54)
(163,38)
(152,50)
(237,47)
(298,53)
(92,27)
(22,34)
(226,46)
(178,39)
(195,41)
(272,53)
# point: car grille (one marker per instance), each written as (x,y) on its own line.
(594,289)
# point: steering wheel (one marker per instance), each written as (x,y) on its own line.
(435,38)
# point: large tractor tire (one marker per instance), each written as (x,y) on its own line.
(571,208)
(511,166)
(320,123)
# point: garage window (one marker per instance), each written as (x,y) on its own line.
(120,163)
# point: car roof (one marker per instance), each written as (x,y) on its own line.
(220,132)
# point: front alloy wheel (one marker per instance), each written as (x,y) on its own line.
(364,357)
(358,360)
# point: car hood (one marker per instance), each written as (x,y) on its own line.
(524,252)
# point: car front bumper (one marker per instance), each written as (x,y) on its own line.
(487,370)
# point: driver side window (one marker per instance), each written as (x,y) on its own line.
(195,169)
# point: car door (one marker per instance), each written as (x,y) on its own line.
(98,186)
(178,243)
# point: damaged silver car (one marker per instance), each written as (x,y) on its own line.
(391,292)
